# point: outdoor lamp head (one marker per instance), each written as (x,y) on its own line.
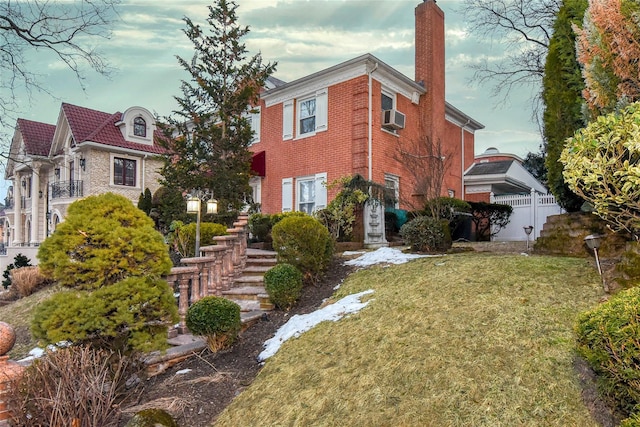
(193,205)
(212,206)
(593,241)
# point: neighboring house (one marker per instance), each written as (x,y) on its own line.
(351,119)
(87,152)
(500,178)
(500,174)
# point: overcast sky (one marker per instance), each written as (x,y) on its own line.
(303,37)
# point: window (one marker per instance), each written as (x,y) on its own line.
(392,193)
(311,193)
(124,172)
(306,195)
(387,101)
(139,127)
(307,116)
(310,115)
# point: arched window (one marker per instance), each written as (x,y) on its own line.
(139,127)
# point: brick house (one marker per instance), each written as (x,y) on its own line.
(87,152)
(352,118)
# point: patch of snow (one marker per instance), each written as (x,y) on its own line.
(183,371)
(384,255)
(302,323)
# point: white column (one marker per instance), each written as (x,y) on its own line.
(17,210)
(35,204)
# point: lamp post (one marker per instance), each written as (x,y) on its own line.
(593,242)
(194,201)
(528,229)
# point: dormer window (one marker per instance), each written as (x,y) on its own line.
(139,127)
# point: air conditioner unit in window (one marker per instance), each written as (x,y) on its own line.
(392,119)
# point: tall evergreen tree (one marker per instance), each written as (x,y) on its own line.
(208,137)
(562,97)
(608,50)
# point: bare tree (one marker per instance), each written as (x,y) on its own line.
(427,163)
(66,29)
(523,28)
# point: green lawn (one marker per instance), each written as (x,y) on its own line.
(462,340)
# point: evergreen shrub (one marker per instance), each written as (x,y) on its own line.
(260,227)
(607,337)
(215,318)
(426,234)
(305,243)
(283,283)
(132,314)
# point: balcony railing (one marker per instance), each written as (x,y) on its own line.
(63,189)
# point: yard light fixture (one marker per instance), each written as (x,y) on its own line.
(194,201)
(528,229)
(593,242)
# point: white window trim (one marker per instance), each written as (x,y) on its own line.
(138,160)
(394,98)
(396,189)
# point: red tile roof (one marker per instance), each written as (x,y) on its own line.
(37,136)
(89,125)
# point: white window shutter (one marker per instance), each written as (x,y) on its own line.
(287,194)
(255,125)
(321,191)
(322,110)
(287,120)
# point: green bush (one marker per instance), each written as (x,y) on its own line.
(215,318)
(284,285)
(113,260)
(607,337)
(153,417)
(104,239)
(260,227)
(304,243)
(184,236)
(133,314)
(632,421)
(426,234)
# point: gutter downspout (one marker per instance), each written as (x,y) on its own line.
(370,130)
(462,163)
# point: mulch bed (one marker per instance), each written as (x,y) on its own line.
(210,381)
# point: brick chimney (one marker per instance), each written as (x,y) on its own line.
(430,66)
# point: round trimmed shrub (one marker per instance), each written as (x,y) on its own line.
(305,243)
(607,337)
(284,285)
(426,234)
(215,318)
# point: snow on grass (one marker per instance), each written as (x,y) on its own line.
(303,322)
(384,255)
(349,304)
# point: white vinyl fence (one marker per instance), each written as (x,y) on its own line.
(528,209)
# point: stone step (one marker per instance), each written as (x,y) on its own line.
(261,262)
(244,292)
(249,281)
(255,270)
